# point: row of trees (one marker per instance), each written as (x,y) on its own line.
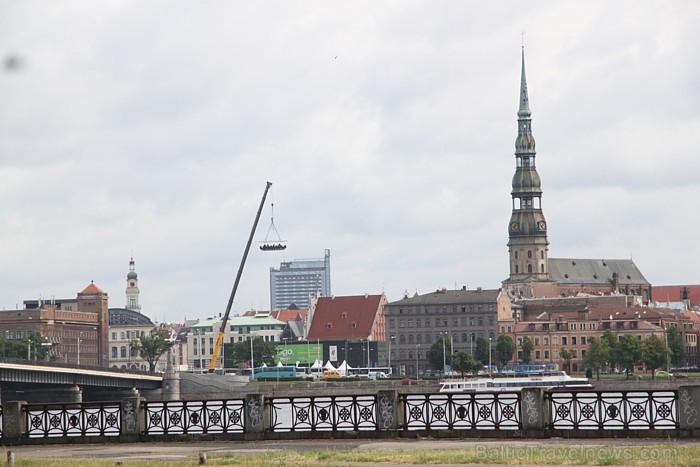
(463,362)
(626,351)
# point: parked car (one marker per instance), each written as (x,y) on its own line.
(680,375)
(408,381)
(663,374)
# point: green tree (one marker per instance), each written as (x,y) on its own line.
(528,347)
(567,355)
(437,353)
(483,350)
(629,352)
(655,354)
(675,345)
(150,347)
(598,354)
(505,348)
(263,352)
(461,362)
(612,339)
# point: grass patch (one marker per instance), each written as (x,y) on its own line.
(651,455)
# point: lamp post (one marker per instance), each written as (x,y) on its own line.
(417,350)
(471,344)
(391,339)
(285,351)
(252,361)
(80,334)
(444,360)
(490,374)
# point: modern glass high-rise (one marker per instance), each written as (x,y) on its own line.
(295,281)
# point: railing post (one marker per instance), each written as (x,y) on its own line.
(14,424)
(256,416)
(689,411)
(132,419)
(386,410)
(533,412)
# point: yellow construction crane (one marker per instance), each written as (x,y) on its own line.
(220,337)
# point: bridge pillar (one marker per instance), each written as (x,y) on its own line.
(14,424)
(257,416)
(387,410)
(171,381)
(532,412)
(132,419)
(689,410)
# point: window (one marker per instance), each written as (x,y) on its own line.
(114,336)
(115,352)
(583,340)
(122,335)
(402,339)
(537,341)
(563,340)
(537,355)
(410,338)
(392,323)
(529,268)
(410,323)
(122,351)
(545,341)
(546,354)
(402,323)
(573,340)
(529,254)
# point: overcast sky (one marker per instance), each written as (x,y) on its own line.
(387,129)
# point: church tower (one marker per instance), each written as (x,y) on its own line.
(527,229)
(132,288)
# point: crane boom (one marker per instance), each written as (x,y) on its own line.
(220,337)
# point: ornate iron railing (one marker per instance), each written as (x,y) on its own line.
(469,411)
(326,413)
(194,417)
(597,410)
(71,420)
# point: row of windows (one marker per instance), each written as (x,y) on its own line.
(436,309)
(456,337)
(565,340)
(529,268)
(121,352)
(439,322)
(123,335)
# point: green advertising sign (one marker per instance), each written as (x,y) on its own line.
(304,354)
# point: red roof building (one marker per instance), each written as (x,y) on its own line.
(356,317)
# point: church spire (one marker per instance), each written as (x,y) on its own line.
(527,230)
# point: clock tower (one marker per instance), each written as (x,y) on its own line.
(527,229)
(132,288)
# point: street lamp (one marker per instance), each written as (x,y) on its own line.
(444,360)
(490,357)
(285,350)
(391,339)
(80,334)
(417,350)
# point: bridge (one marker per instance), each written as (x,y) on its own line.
(48,382)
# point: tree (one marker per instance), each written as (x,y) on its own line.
(675,345)
(263,352)
(150,347)
(465,363)
(629,352)
(598,354)
(654,354)
(437,354)
(483,350)
(612,340)
(567,355)
(35,341)
(505,348)
(528,347)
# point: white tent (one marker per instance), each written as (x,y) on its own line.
(316,365)
(343,368)
(329,366)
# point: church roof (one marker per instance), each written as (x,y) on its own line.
(594,271)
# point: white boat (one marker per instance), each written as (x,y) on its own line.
(554,380)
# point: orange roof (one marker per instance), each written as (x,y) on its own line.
(290,315)
(350,317)
(92,288)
